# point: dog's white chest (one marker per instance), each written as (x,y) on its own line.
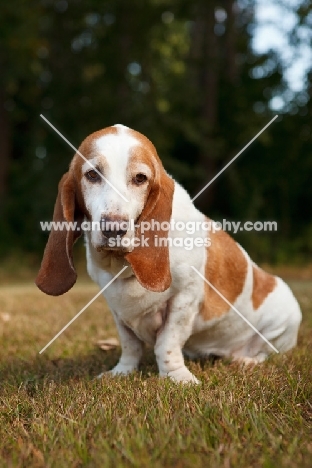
(144,313)
(147,326)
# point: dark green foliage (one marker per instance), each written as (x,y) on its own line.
(167,69)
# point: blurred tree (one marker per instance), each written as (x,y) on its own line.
(18,43)
(182,72)
(5,141)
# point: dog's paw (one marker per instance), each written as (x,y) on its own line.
(250,362)
(183,375)
(120,369)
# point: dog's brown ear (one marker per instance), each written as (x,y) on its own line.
(57,273)
(151,264)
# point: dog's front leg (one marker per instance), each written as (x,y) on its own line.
(171,339)
(131,350)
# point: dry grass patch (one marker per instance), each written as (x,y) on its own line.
(55,414)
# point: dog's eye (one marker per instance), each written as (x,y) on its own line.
(139,179)
(93,176)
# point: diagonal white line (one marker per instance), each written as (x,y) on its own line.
(234,308)
(82,310)
(86,160)
(235,157)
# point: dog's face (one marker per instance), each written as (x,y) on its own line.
(116,181)
(116,187)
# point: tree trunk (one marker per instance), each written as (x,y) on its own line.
(124,18)
(230,42)
(205,57)
(5,147)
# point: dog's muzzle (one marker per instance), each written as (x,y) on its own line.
(112,227)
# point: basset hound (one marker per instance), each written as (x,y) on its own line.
(161,298)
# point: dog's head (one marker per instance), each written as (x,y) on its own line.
(115,181)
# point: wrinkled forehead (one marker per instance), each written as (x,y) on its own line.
(117,147)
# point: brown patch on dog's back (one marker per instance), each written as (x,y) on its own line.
(263,284)
(226,270)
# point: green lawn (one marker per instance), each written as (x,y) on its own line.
(54,414)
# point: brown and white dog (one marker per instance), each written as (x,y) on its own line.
(159,299)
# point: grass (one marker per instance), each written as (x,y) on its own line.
(53,413)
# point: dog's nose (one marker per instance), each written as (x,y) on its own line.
(112,227)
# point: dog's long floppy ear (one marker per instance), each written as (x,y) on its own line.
(57,273)
(151,264)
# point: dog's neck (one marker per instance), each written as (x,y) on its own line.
(111,261)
